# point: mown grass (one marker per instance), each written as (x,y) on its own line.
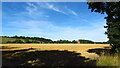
(107,60)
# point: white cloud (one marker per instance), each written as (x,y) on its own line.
(48,30)
(71,11)
(32,10)
(74,13)
(52,7)
(58,8)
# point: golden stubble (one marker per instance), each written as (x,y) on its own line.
(78,48)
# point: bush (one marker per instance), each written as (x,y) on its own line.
(18,41)
(34,41)
(27,41)
(9,42)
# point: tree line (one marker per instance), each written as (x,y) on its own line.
(23,39)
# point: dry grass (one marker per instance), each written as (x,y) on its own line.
(103,60)
(107,60)
(78,48)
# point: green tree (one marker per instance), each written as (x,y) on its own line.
(27,40)
(74,41)
(85,41)
(112,9)
(18,41)
(8,42)
(15,36)
(35,41)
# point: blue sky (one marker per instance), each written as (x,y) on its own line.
(54,20)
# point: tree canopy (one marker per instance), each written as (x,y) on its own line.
(112,9)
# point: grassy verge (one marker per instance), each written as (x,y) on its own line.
(107,60)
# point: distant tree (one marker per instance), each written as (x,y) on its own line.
(85,41)
(5,36)
(27,40)
(74,41)
(112,9)
(62,41)
(15,36)
(22,37)
(18,41)
(35,41)
(8,42)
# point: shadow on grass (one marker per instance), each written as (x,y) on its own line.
(52,58)
(14,51)
(6,47)
(99,51)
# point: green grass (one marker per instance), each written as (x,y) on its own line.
(107,60)
(5,39)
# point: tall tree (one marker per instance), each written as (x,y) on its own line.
(112,9)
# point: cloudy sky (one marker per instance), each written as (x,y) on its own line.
(53,20)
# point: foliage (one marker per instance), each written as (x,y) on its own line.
(85,41)
(8,42)
(23,39)
(35,41)
(27,41)
(112,9)
(102,42)
(16,41)
(7,39)
(74,41)
(62,41)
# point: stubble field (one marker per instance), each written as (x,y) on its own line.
(57,55)
(78,48)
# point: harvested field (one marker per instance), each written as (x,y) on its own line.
(78,48)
